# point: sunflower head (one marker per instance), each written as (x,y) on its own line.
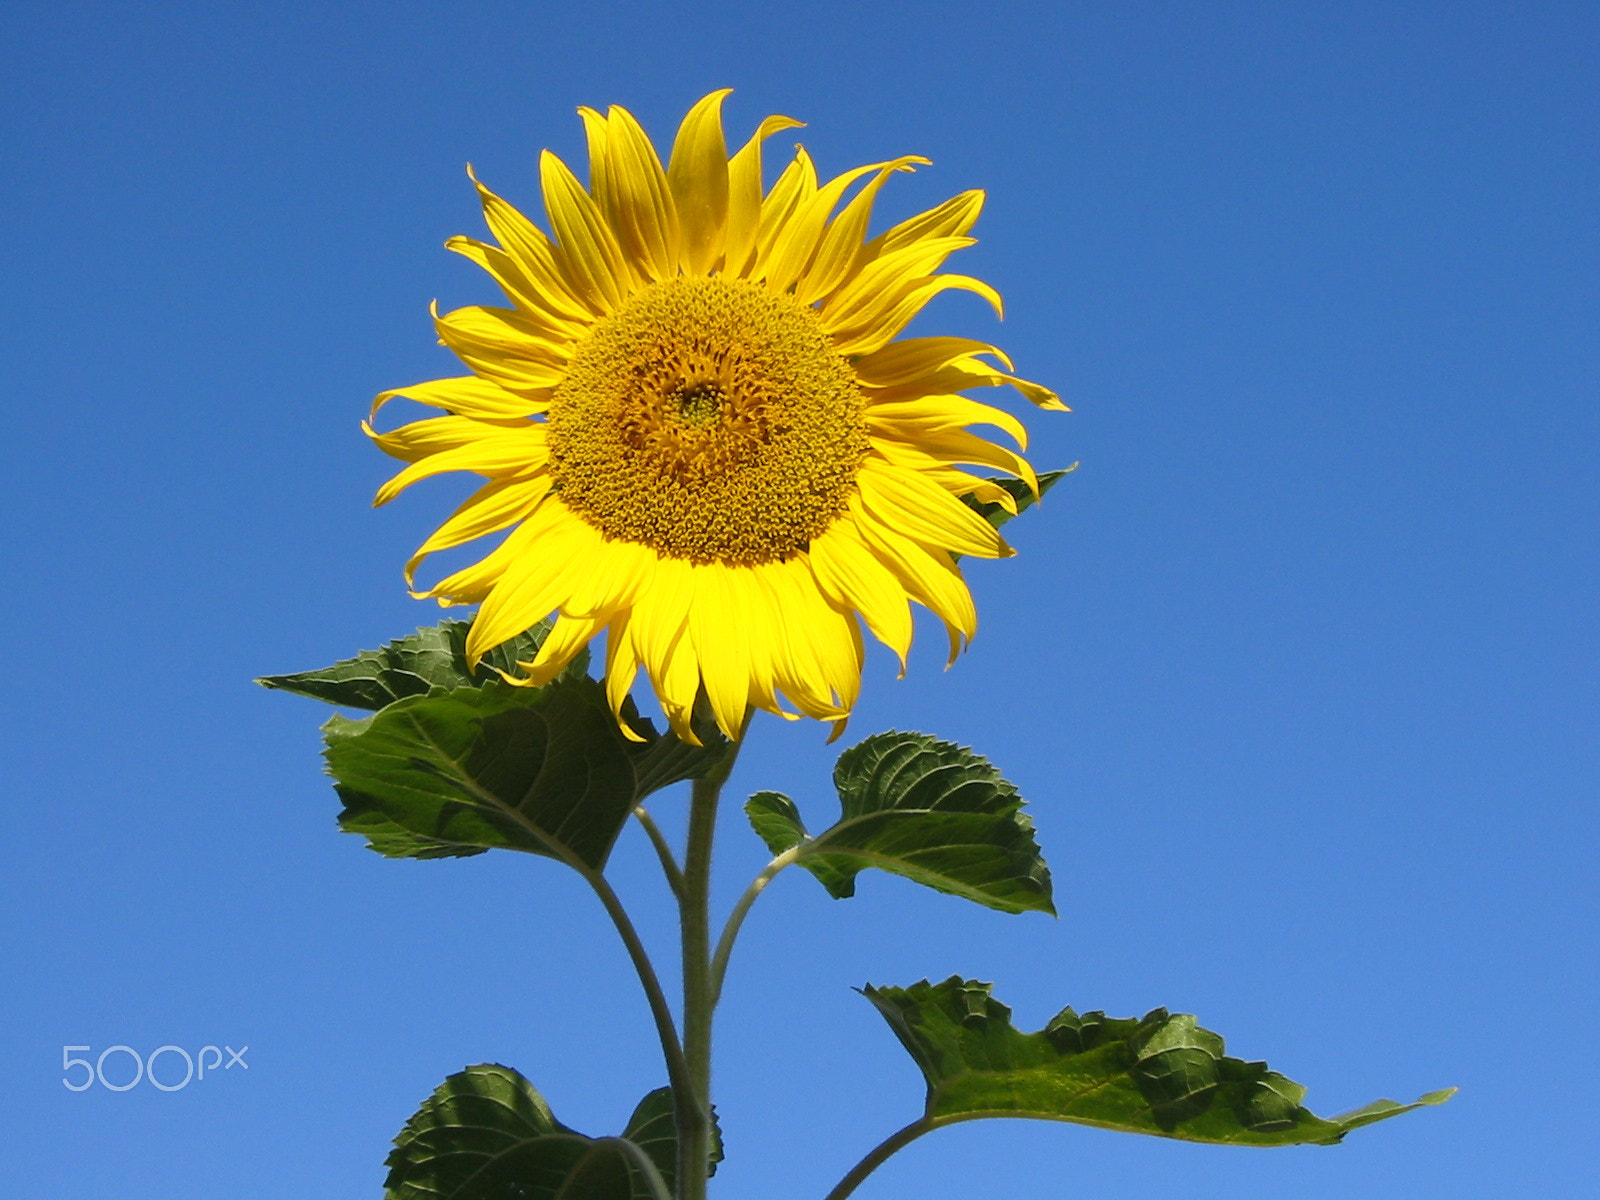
(697,425)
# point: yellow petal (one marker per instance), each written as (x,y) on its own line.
(513,280)
(840,250)
(471,584)
(567,637)
(940,472)
(658,630)
(586,251)
(955,217)
(912,358)
(744,196)
(928,575)
(534,582)
(497,505)
(697,174)
(762,621)
(467,396)
(645,216)
(958,446)
(875,333)
(796,185)
(851,576)
(532,251)
(721,645)
(805,649)
(906,501)
(796,245)
(928,415)
(504,452)
(622,668)
(962,373)
(498,345)
(416,441)
(610,579)
(874,288)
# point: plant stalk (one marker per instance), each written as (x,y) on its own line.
(693,1112)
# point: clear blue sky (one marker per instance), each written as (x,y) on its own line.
(1298,672)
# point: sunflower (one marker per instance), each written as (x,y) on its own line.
(698,425)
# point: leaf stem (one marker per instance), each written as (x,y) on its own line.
(678,1073)
(693,1105)
(730,931)
(876,1157)
(669,864)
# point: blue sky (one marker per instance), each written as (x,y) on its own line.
(1298,671)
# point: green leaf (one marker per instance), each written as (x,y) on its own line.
(929,810)
(432,657)
(1160,1074)
(996,513)
(422,691)
(653,1128)
(543,770)
(486,1134)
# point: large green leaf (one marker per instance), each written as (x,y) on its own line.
(486,1134)
(458,772)
(1160,1074)
(653,1128)
(432,657)
(929,810)
(997,514)
(456,762)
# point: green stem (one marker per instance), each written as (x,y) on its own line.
(730,931)
(693,1107)
(669,864)
(678,1073)
(875,1158)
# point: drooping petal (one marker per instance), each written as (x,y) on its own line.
(816,646)
(851,576)
(931,415)
(611,579)
(506,452)
(911,358)
(928,575)
(622,668)
(497,505)
(965,372)
(534,582)
(906,501)
(467,396)
(721,645)
(566,638)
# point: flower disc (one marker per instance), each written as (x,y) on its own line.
(711,420)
